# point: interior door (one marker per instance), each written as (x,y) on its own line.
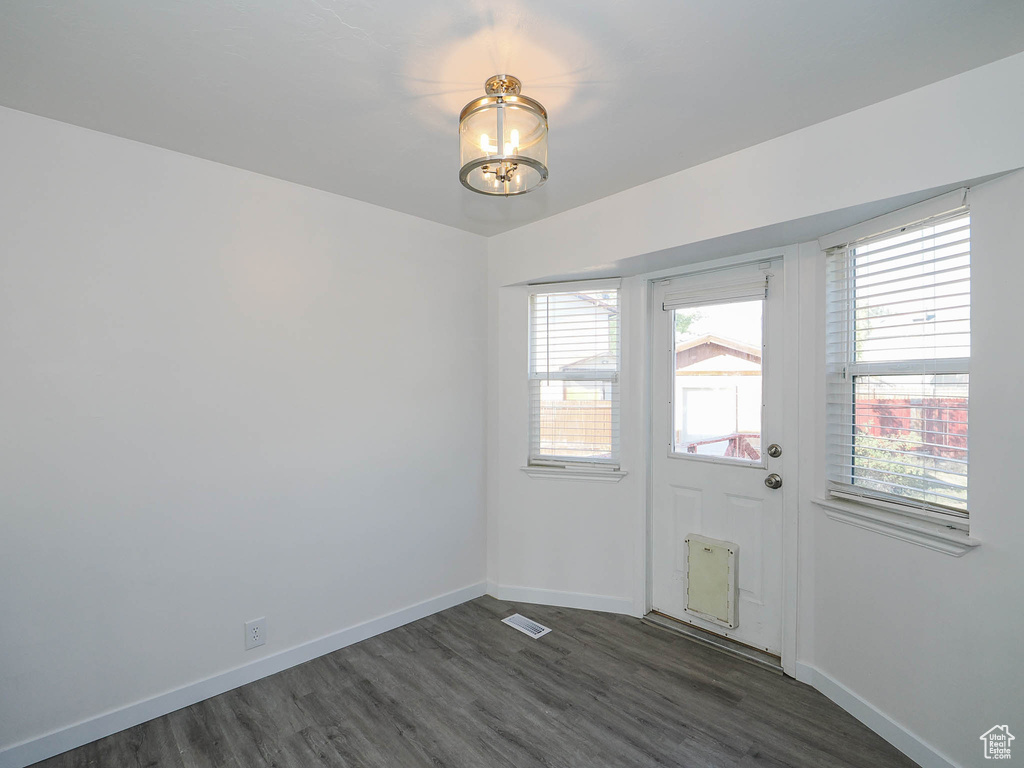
(717,409)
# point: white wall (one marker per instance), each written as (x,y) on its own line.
(224,397)
(883,151)
(874,614)
(561,537)
(962,128)
(927,638)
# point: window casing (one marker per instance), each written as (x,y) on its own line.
(574,365)
(897,365)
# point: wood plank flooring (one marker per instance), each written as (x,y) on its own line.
(462,689)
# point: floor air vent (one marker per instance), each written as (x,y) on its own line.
(527,627)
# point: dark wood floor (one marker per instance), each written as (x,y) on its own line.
(461,689)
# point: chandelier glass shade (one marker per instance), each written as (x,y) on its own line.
(503,140)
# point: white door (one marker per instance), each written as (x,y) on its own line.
(717,408)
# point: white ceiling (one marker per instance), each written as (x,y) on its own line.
(362,98)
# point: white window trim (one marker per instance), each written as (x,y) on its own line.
(753,286)
(594,473)
(598,470)
(936,206)
(945,537)
(937,531)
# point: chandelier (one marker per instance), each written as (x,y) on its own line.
(503,140)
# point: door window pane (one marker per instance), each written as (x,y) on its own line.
(717,390)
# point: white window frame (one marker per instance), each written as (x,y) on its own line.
(751,287)
(574,467)
(945,531)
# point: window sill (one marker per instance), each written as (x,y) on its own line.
(924,533)
(575,473)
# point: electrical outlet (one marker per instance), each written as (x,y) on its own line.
(255,633)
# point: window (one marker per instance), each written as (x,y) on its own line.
(717,394)
(574,376)
(898,346)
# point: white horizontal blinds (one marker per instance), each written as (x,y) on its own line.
(898,350)
(753,287)
(574,376)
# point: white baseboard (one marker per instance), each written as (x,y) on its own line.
(906,742)
(561,599)
(53,743)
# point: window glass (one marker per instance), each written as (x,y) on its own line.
(899,345)
(574,376)
(717,393)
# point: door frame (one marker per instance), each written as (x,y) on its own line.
(789,436)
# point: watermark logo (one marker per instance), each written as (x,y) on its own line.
(997,742)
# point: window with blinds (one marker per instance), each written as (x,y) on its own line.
(898,345)
(574,376)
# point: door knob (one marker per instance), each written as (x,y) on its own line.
(773,481)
